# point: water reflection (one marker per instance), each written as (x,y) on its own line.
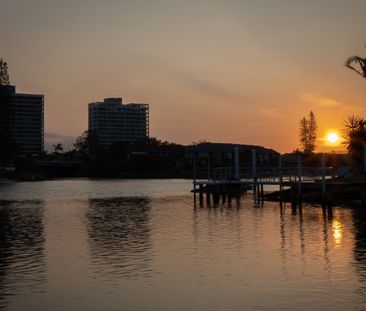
(156,253)
(119,235)
(22,262)
(359,216)
(310,240)
(337,231)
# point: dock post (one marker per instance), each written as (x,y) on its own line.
(293,198)
(254,165)
(201,194)
(280,176)
(237,165)
(208,196)
(299,173)
(224,196)
(216,197)
(254,173)
(208,167)
(255,192)
(194,178)
(229,196)
(194,167)
(262,193)
(323,178)
(258,193)
(194,193)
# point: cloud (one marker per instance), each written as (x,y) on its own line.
(319,100)
(270,112)
(205,86)
(190,78)
(55,87)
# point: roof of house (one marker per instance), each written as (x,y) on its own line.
(226,147)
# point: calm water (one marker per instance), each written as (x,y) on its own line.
(141,245)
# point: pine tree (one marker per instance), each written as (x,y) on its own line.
(308,129)
(312,132)
(4,75)
(304,130)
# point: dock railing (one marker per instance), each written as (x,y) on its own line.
(266,175)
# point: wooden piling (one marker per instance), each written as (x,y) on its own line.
(224,196)
(293,196)
(208,196)
(194,193)
(201,194)
(280,177)
(299,173)
(229,196)
(262,192)
(216,197)
(323,179)
(281,192)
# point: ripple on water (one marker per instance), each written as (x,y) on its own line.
(119,235)
(22,260)
(90,246)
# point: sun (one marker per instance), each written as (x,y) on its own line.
(332,137)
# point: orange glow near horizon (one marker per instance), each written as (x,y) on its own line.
(231,92)
(331,141)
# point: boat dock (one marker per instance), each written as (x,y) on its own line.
(294,184)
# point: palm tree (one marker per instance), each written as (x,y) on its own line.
(354,134)
(58,148)
(357,64)
(354,131)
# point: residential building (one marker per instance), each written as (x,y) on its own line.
(22,119)
(112,121)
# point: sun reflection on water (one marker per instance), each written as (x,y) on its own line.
(337,229)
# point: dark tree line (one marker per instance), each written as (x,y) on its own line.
(144,157)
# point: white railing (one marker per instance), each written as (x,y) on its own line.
(265,174)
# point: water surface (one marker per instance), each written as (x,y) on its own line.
(143,245)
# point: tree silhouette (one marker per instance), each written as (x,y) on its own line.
(58,148)
(354,131)
(354,134)
(4,75)
(308,129)
(87,144)
(357,64)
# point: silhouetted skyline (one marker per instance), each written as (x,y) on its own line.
(229,71)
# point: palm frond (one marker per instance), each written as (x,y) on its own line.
(359,61)
(353,59)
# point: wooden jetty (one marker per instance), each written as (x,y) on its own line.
(295,184)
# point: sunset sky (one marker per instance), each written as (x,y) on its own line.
(222,71)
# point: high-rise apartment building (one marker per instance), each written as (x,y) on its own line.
(22,120)
(113,121)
